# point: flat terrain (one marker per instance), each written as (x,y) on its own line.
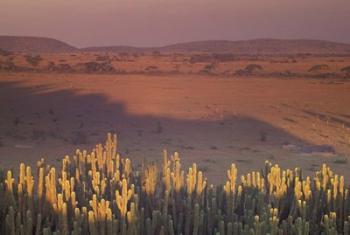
(212,121)
(208,64)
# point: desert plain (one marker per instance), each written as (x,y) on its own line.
(207,111)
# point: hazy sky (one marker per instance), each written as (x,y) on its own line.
(160,22)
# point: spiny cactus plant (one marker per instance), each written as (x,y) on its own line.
(102,193)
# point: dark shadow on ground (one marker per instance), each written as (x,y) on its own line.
(36,122)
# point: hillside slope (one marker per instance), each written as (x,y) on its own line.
(34,45)
(257,46)
(244,47)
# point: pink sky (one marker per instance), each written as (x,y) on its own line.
(161,22)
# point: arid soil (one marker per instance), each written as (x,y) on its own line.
(212,121)
(207,64)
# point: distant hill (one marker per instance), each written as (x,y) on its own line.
(120,49)
(249,47)
(34,45)
(246,47)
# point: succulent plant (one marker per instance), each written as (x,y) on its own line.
(102,193)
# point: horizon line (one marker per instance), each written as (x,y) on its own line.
(177,43)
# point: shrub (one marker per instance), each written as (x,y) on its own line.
(4,53)
(319,67)
(61,68)
(201,58)
(207,69)
(346,70)
(123,54)
(102,193)
(152,69)
(211,58)
(33,60)
(8,66)
(94,67)
(249,70)
(103,58)
(156,53)
(253,67)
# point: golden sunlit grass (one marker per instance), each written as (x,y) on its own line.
(101,193)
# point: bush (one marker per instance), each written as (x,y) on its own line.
(152,69)
(202,58)
(7,66)
(207,69)
(102,193)
(123,54)
(319,67)
(94,67)
(346,70)
(61,68)
(211,58)
(253,68)
(4,53)
(249,70)
(33,60)
(103,58)
(156,53)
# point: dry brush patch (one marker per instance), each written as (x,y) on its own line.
(102,193)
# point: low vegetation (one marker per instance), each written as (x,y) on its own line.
(61,68)
(33,60)
(211,58)
(4,53)
(208,68)
(152,69)
(102,193)
(226,65)
(346,70)
(95,67)
(249,70)
(319,67)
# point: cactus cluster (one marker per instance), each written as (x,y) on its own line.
(101,193)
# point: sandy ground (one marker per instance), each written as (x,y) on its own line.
(212,121)
(189,64)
